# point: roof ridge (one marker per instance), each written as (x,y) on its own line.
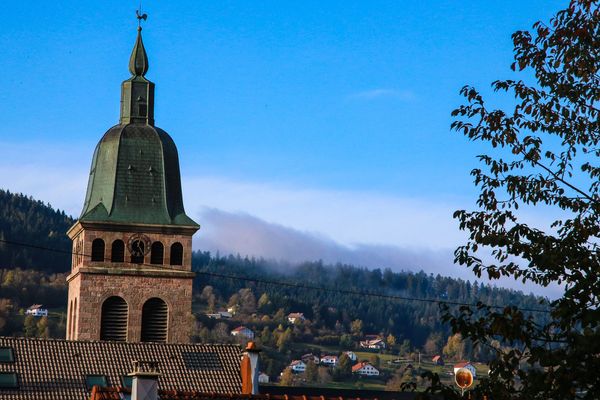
(22,338)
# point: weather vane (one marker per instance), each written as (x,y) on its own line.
(140,16)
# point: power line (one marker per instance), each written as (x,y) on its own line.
(290,284)
(356,292)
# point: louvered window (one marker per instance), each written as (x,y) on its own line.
(113,325)
(118,251)
(157,252)
(98,250)
(154,321)
(176,254)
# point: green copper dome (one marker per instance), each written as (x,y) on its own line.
(135,177)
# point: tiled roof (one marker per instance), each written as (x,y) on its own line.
(315,393)
(359,366)
(116,394)
(372,342)
(462,364)
(56,369)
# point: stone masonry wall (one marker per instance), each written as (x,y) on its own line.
(87,291)
(94,289)
(88,236)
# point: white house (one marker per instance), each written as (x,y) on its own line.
(330,361)
(298,366)
(296,317)
(351,355)
(467,365)
(37,311)
(219,315)
(263,378)
(243,331)
(365,369)
(376,344)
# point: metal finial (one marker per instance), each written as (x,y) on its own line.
(138,62)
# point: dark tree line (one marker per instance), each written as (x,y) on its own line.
(25,220)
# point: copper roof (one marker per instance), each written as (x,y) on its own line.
(56,369)
(135,178)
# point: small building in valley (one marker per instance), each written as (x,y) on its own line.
(373,344)
(351,355)
(438,360)
(298,366)
(263,378)
(365,369)
(330,361)
(243,332)
(37,310)
(467,365)
(296,317)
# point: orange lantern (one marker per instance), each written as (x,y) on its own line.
(463,378)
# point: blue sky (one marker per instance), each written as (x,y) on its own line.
(329,120)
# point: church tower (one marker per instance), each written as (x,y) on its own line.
(131,276)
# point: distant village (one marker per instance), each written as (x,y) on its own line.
(291,358)
(368,360)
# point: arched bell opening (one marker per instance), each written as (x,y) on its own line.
(154,320)
(113,322)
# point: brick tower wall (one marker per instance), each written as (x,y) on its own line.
(91,290)
(92,282)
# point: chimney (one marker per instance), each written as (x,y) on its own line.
(250,369)
(144,380)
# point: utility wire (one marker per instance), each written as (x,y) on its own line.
(355,292)
(289,284)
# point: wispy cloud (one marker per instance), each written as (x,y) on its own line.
(240,233)
(347,216)
(248,235)
(378,93)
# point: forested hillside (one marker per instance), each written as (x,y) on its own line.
(23,219)
(333,311)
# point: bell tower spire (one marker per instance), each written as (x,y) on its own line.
(136,283)
(137,92)
(138,61)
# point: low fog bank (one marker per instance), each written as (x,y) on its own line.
(239,233)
